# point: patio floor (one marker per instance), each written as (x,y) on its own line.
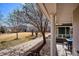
(63,50)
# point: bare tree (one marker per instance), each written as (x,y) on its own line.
(2,30)
(34,16)
(31,14)
(13,22)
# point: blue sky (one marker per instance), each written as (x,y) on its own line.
(6,8)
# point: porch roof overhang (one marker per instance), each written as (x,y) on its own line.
(63,12)
(48,9)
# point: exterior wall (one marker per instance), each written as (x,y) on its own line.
(64,13)
(76,31)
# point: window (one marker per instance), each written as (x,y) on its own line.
(67,30)
(61,30)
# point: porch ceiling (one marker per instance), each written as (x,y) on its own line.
(64,12)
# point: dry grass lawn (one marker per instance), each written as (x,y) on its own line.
(8,40)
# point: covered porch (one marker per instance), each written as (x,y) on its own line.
(60,14)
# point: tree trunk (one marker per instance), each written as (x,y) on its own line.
(36,33)
(44,39)
(36,52)
(44,42)
(16,35)
(32,33)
